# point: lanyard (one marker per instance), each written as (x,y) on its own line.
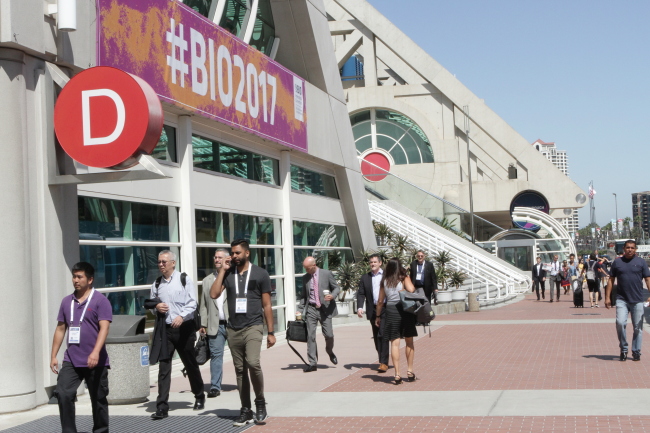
(248,276)
(420,268)
(83,314)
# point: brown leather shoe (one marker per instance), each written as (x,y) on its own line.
(383,368)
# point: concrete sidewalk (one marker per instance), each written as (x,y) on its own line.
(528,366)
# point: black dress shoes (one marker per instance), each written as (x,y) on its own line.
(199,404)
(636,356)
(623,356)
(214,393)
(160,414)
(333,359)
(310,368)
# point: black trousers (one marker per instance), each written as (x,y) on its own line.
(378,336)
(538,283)
(181,339)
(68,381)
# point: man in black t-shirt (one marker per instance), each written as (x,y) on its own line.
(248,289)
(629,272)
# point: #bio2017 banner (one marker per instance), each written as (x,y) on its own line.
(191,62)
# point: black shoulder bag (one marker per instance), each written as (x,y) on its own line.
(297,331)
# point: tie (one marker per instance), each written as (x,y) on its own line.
(314,287)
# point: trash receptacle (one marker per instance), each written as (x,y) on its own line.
(128,350)
(472,299)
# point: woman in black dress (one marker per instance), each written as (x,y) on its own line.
(398,323)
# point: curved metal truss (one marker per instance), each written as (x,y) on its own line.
(545,221)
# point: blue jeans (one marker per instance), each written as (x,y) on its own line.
(216,344)
(622,310)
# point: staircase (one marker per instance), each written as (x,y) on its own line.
(497,280)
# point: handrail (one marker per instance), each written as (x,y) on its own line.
(483,268)
(429,193)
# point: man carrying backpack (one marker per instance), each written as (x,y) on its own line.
(629,272)
(173,295)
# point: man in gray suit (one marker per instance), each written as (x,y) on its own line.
(213,323)
(321,307)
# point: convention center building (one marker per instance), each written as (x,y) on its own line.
(280,121)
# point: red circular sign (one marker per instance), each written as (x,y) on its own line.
(375,166)
(105,117)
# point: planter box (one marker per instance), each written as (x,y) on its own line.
(458,295)
(343,307)
(444,296)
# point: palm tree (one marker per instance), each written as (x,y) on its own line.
(347,276)
(626,222)
(400,243)
(442,258)
(382,232)
(457,278)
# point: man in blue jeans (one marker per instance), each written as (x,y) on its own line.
(213,323)
(629,272)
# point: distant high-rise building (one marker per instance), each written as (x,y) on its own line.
(560,159)
(641,208)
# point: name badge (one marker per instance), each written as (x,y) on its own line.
(74,335)
(240,305)
(418,276)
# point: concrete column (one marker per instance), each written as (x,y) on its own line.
(287,236)
(17,369)
(186,220)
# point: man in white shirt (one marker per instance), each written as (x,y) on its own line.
(556,278)
(368,293)
(213,324)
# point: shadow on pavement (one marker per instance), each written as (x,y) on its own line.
(302,366)
(603,357)
(376,378)
(150,406)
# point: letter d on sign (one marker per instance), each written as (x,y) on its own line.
(85,113)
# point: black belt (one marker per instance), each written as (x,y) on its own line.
(223,322)
(314,305)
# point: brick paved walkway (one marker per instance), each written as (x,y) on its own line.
(527,366)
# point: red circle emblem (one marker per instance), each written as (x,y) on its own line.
(105,117)
(375,166)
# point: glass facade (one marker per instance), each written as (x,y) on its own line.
(264,28)
(312,182)
(200,6)
(218,229)
(395,133)
(234,16)
(111,234)
(329,244)
(222,158)
(166,148)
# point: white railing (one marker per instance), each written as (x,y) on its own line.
(484,268)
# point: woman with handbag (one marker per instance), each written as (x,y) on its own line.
(399,324)
(566,277)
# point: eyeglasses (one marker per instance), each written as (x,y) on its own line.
(164,262)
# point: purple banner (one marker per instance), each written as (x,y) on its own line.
(194,64)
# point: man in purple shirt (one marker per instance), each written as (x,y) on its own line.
(86,315)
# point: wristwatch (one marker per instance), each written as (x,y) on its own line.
(271,333)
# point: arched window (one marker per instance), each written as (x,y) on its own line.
(395,133)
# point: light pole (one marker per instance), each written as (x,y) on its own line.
(616,206)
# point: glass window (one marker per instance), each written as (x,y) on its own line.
(266,258)
(222,158)
(264,28)
(319,235)
(277,293)
(395,133)
(121,266)
(105,219)
(166,148)
(279,323)
(223,228)
(200,6)
(234,15)
(325,258)
(313,182)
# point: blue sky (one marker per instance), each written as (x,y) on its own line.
(573,72)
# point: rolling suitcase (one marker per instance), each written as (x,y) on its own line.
(578,298)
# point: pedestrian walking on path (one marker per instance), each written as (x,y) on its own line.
(86,315)
(399,324)
(629,271)
(368,294)
(248,288)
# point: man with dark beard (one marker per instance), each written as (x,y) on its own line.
(248,289)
